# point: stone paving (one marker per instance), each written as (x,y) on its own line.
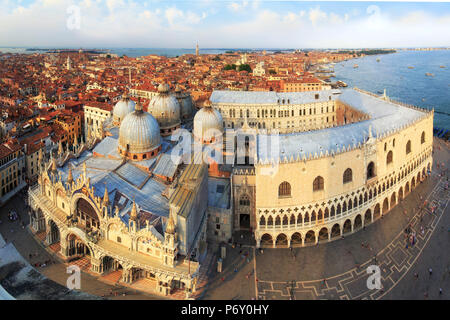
(394,261)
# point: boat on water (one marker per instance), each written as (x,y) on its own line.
(441,66)
(355,66)
(378,59)
(410,67)
(341,83)
(429,74)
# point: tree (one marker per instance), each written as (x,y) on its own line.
(230,67)
(245,67)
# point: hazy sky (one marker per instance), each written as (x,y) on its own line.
(222,24)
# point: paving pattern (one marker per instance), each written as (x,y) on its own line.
(394,261)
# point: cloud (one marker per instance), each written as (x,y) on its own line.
(316,16)
(132,23)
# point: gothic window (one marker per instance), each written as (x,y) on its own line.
(348,175)
(244,201)
(318,183)
(408,147)
(284,189)
(262,221)
(422,138)
(371,170)
(389,157)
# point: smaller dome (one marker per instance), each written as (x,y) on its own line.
(166,110)
(122,108)
(163,88)
(208,126)
(139,133)
(185,101)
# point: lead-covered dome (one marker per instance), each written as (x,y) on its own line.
(122,108)
(166,110)
(185,101)
(139,136)
(208,126)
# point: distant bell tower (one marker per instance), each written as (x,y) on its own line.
(196,50)
(68,64)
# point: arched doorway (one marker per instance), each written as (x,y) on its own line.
(407,188)
(357,223)
(54,235)
(244,212)
(413,183)
(296,238)
(110,264)
(281,241)
(267,240)
(336,231)
(38,220)
(86,215)
(323,234)
(385,205)
(377,211)
(76,247)
(367,217)
(347,226)
(310,237)
(393,200)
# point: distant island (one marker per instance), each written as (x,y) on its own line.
(65,50)
(367,52)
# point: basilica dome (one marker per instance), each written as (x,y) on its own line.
(139,136)
(185,101)
(208,126)
(166,110)
(122,108)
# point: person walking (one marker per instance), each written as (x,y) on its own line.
(430,271)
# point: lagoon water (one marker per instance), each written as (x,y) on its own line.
(411,86)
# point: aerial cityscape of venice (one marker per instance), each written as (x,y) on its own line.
(224,150)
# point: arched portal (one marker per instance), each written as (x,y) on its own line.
(76,247)
(281,241)
(367,217)
(244,212)
(347,226)
(310,237)
(87,215)
(336,230)
(110,264)
(413,183)
(377,211)
(400,194)
(38,220)
(393,200)
(267,240)
(407,188)
(54,235)
(323,234)
(385,205)
(358,222)
(296,238)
